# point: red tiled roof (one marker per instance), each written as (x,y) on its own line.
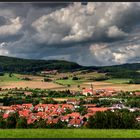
(74,114)
(75,121)
(31,120)
(24,113)
(89,105)
(27,105)
(5,116)
(97,109)
(52,121)
(87,90)
(137,93)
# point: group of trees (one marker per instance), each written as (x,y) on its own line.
(65,93)
(7,101)
(113,120)
(134,81)
(122,71)
(26,66)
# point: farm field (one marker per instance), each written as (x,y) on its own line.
(6,78)
(59,84)
(31,84)
(69,82)
(102,84)
(55,86)
(69,133)
(118,81)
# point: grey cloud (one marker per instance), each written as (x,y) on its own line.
(90,34)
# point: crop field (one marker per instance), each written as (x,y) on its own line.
(69,133)
(61,84)
(31,84)
(117,86)
(69,82)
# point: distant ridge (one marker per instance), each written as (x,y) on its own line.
(21,65)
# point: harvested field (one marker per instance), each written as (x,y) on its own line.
(31,84)
(101,85)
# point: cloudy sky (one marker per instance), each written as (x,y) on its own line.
(89,34)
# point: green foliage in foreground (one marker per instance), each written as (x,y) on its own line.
(69,133)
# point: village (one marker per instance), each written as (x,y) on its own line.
(72,111)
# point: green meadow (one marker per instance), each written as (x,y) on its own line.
(69,133)
(7,78)
(118,81)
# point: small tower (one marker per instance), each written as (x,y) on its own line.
(92,87)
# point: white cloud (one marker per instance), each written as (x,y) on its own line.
(115,55)
(11,29)
(65,25)
(115,32)
(82,22)
(4,52)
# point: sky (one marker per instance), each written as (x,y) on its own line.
(90,34)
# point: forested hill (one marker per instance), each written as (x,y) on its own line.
(18,65)
(122,71)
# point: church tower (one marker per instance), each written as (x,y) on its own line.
(92,87)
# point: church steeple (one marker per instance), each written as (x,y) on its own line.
(92,87)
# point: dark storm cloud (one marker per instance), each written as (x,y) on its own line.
(89,33)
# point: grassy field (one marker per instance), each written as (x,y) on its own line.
(118,81)
(6,78)
(68,133)
(70,82)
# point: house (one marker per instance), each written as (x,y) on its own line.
(27,93)
(16,107)
(4,108)
(118,106)
(89,105)
(31,118)
(138,118)
(97,109)
(75,122)
(73,101)
(24,113)
(40,114)
(110,90)
(5,116)
(88,115)
(52,121)
(89,100)
(74,115)
(46,71)
(7,113)
(65,118)
(67,106)
(41,107)
(87,92)
(28,106)
(137,93)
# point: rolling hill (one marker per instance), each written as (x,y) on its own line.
(19,65)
